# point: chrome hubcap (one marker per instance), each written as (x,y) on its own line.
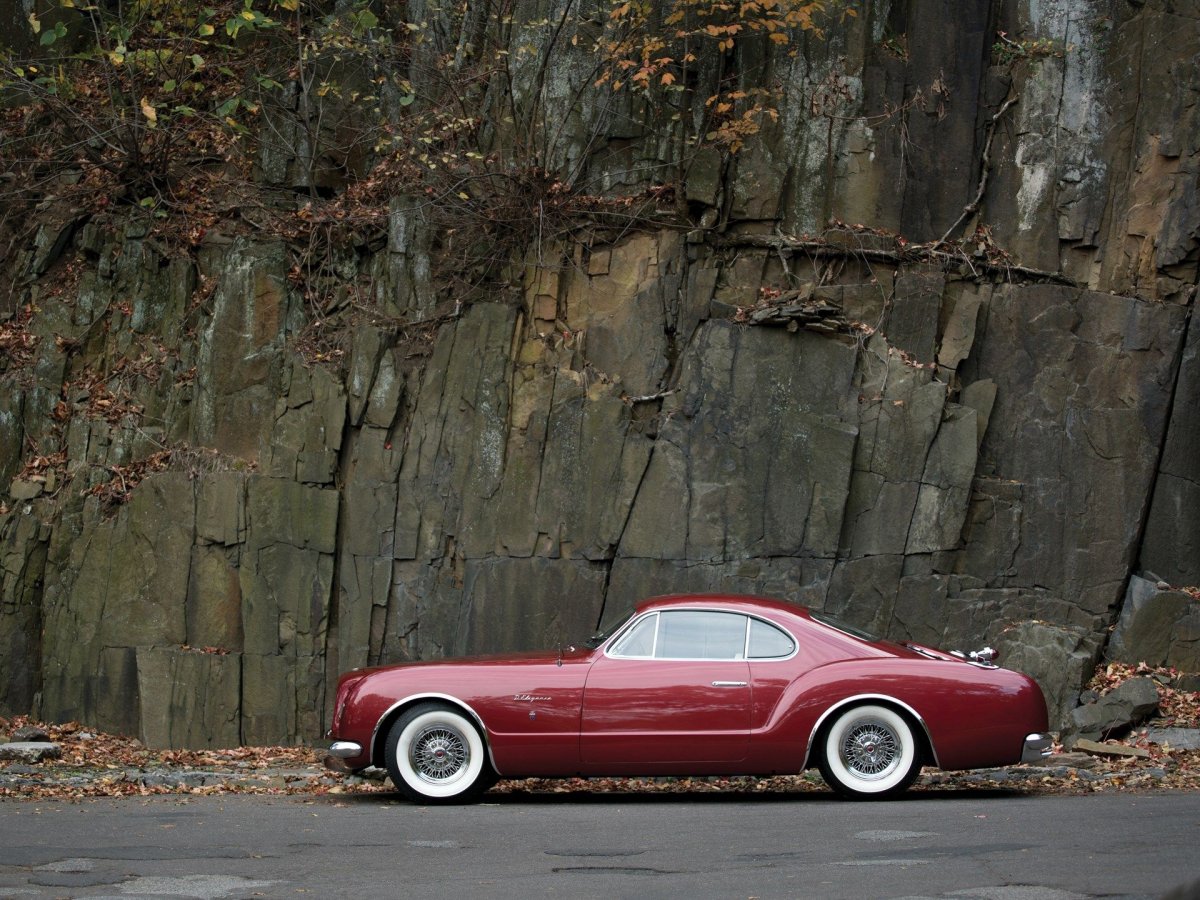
(438,753)
(870,749)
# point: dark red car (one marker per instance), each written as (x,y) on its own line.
(691,685)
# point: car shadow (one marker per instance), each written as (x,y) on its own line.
(581,795)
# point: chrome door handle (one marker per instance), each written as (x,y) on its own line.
(729,684)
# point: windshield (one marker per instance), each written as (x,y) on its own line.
(603,635)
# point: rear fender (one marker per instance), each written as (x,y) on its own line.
(883,700)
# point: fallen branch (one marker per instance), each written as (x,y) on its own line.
(909,253)
(646,398)
(985,170)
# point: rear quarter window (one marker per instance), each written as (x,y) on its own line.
(769,642)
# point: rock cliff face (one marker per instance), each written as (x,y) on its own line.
(953,443)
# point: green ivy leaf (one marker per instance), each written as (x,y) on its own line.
(48,38)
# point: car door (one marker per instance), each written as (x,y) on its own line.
(672,688)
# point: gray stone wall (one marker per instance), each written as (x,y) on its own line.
(953,448)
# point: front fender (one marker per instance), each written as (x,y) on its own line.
(380,733)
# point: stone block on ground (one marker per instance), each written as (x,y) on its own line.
(1120,708)
(1175,738)
(1097,749)
(30,751)
(29,733)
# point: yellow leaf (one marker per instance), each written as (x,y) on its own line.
(463,195)
(290,5)
(149,111)
(35,23)
(205,30)
(247,15)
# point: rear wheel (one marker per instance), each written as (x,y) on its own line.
(869,752)
(436,755)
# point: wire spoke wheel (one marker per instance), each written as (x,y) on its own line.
(869,752)
(438,753)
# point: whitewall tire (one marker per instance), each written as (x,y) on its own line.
(869,752)
(435,754)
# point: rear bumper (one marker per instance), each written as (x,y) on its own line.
(345,749)
(1037,748)
(339,752)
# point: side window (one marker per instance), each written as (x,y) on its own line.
(768,642)
(639,640)
(693,634)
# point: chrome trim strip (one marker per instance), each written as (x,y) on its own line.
(1037,747)
(857,698)
(345,749)
(433,696)
(730,683)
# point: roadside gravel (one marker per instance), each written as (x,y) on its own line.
(92,764)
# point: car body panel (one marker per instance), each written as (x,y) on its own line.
(651,711)
(585,712)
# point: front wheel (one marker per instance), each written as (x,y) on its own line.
(436,755)
(869,752)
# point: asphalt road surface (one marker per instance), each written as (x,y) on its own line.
(966,845)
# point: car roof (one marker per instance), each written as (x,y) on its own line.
(793,616)
(744,603)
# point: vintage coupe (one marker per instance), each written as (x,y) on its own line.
(691,685)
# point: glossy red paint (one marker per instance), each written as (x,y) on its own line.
(589,712)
